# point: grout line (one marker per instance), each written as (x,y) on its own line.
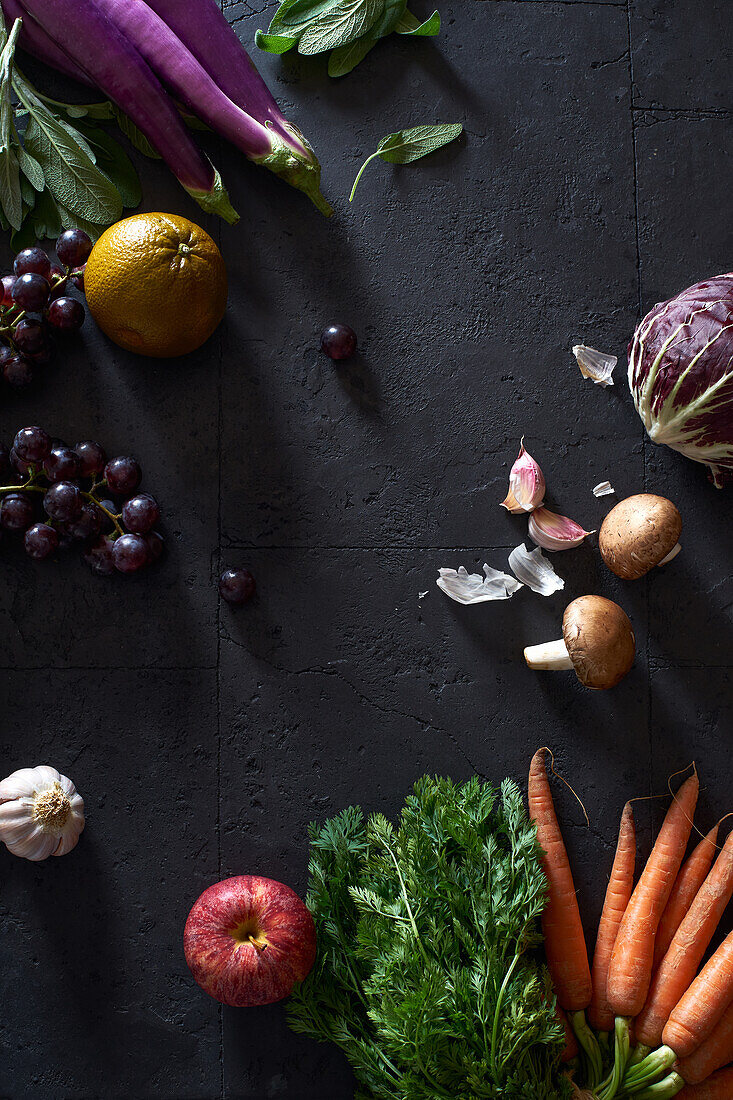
(721,112)
(108,668)
(483,549)
(635,159)
(217,560)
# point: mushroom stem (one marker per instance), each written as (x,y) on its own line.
(551,656)
(672,554)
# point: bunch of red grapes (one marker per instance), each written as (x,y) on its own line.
(35,305)
(62,495)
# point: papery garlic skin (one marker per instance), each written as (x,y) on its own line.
(41,813)
(526,484)
(554,532)
(596,365)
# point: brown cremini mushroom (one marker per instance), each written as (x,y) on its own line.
(640,533)
(597,641)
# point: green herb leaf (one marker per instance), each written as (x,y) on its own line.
(72,177)
(10,188)
(408,24)
(393,12)
(345,58)
(31,169)
(295,12)
(135,136)
(339,24)
(70,220)
(45,217)
(115,163)
(274,43)
(406,146)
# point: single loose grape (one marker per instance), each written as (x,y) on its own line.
(338,341)
(236,585)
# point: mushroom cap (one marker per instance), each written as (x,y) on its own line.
(638,533)
(600,641)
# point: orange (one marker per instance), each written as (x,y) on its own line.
(156,284)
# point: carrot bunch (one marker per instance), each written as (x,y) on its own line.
(645,978)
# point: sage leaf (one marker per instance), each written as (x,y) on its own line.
(394,10)
(406,146)
(28,192)
(340,24)
(274,43)
(11,198)
(70,220)
(295,12)
(345,58)
(408,24)
(134,136)
(72,177)
(31,169)
(116,165)
(45,217)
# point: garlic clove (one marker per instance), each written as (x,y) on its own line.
(554,532)
(532,568)
(603,489)
(526,484)
(596,365)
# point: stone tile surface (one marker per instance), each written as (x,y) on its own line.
(592,181)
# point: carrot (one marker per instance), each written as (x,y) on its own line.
(717,1087)
(679,966)
(701,1007)
(689,880)
(716,1051)
(630,971)
(618,892)
(572,1050)
(567,956)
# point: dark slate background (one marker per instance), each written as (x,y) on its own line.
(594,179)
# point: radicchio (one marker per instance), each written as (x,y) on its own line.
(681,374)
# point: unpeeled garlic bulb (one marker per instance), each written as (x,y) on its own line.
(41,813)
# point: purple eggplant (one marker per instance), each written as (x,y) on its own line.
(97,46)
(35,40)
(205,33)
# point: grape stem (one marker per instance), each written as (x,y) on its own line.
(29,487)
(108,514)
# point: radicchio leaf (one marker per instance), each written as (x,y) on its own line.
(681,374)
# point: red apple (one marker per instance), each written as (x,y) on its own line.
(248,940)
